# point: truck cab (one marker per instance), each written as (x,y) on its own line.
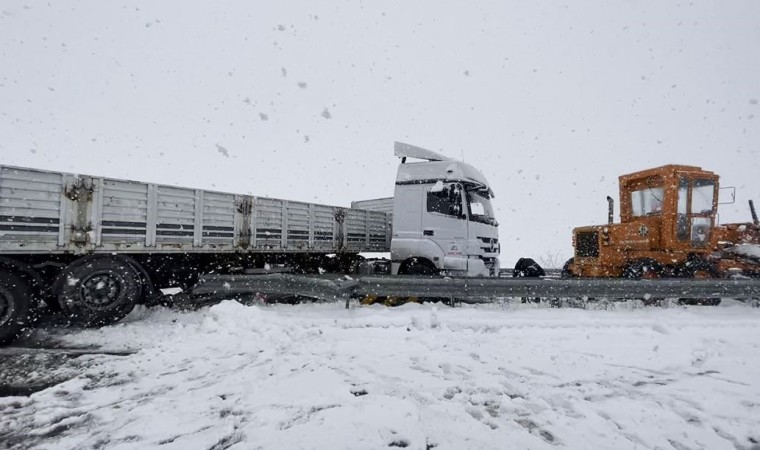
(667,222)
(681,200)
(443,221)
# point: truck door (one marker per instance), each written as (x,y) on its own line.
(695,212)
(445,223)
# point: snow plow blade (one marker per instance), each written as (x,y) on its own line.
(474,290)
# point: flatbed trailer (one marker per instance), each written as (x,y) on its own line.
(95,246)
(61,213)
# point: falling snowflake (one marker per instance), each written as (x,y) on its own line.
(222,150)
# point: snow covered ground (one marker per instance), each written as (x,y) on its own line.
(418,376)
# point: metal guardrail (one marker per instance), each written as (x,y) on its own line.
(558,288)
(472,289)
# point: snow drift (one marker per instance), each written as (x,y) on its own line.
(419,376)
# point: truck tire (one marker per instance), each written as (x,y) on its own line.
(643,268)
(417,266)
(699,269)
(566,273)
(527,267)
(99,292)
(15,301)
(31,277)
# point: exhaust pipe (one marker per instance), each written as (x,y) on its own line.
(754,213)
(611,210)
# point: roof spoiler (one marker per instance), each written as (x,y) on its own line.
(403,150)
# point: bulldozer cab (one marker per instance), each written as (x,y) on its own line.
(680,201)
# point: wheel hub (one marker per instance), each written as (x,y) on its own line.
(649,274)
(702,275)
(100,290)
(6,306)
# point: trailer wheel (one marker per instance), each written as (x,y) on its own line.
(99,292)
(15,300)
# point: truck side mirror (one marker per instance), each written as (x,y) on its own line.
(727,195)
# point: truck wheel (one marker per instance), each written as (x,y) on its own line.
(643,269)
(417,267)
(699,269)
(527,267)
(647,269)
(699,301)
(566,273)
(99,292)
(15,299)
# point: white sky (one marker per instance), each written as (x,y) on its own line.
(302,100)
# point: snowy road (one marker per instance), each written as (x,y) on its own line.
(421,377)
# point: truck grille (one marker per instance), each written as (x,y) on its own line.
(489,245)
(587,244)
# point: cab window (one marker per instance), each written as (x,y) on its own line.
(647,202)
(702,196)
(447,200)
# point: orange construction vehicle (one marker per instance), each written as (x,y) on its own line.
(668,228)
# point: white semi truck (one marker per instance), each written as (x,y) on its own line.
(94,247)
(443,220)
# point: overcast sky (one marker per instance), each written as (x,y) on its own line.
(303,100)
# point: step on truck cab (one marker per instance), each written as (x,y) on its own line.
(443,221)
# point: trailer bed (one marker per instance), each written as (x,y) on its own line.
(57,212)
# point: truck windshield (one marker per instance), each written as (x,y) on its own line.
(479,207)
